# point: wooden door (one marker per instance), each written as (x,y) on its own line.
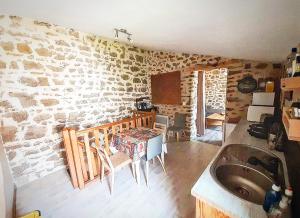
(200,120)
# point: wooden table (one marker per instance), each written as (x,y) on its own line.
(134,143)
(215,120)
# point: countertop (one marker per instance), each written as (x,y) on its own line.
(210,192)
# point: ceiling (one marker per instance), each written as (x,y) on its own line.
(249,29)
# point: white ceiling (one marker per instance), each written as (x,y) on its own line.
(249,29)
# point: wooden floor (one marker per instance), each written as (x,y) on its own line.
(212,135)
(168,194)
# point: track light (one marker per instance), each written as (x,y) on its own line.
(124,31)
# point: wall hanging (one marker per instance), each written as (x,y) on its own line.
(247,85)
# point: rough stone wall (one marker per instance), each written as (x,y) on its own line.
(215,89)
(236,103)
(53,76)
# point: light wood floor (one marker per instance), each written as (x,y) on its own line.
(212,135)
(168,194)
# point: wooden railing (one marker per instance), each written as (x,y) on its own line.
(81,146)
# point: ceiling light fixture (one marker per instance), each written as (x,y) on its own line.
(125,32)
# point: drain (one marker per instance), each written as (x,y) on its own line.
(242,191)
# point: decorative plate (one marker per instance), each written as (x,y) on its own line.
(247,85)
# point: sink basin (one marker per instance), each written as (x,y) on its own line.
(248,182)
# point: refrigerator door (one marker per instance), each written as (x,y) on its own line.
(263,98)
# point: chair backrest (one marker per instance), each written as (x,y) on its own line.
(154,147)
(162,119)
(161,127)
(179,120)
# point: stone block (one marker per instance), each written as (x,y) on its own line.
(43,52)
(20,116)
(43,81)
(24,48)
(2,65)
(28,81)
(31,65)
(42,117)
(7,46)
(8,133)
(49,102)
(35,132)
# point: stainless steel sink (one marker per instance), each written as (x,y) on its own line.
(249,182)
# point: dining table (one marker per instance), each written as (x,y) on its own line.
(133,142)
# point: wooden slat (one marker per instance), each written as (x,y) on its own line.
(106,142)
(132,124)
(88,155)
(97,138)
(76,158)
(70,158)
(144,123)
(104,126)
(82,161)
(94,164)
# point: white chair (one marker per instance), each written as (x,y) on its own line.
(163,128)
(154,149)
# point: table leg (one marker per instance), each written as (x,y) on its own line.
(137,171)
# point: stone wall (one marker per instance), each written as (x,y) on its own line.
(53,77)
(215,89)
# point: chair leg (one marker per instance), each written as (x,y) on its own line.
(177,136)
(133,170)
(147,172)
(102,172)
(112,181)
(165,148)
(161,163)
(137,171)
(163,157)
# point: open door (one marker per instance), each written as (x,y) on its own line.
(200,120)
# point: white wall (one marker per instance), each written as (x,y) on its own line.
(6,186)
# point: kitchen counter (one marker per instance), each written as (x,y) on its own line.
(210,192)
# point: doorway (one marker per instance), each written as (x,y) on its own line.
(211,105)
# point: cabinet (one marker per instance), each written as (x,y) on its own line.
(292,126)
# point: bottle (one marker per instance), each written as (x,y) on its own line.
(297,67)
(270,86)
(289,194)
(294,64)
(272,197)
(279,210)
(290,59)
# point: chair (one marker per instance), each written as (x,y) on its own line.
(179,125)
(113,163)
(154,149)
(163,128)
(163,119)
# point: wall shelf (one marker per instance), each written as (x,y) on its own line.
(292,126)
(290,84)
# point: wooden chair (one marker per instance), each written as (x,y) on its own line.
(111,161)
(154,149)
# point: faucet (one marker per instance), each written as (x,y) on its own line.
(271,166)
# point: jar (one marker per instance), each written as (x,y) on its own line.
(270,86)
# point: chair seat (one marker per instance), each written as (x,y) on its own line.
(120,159)
(175,128)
